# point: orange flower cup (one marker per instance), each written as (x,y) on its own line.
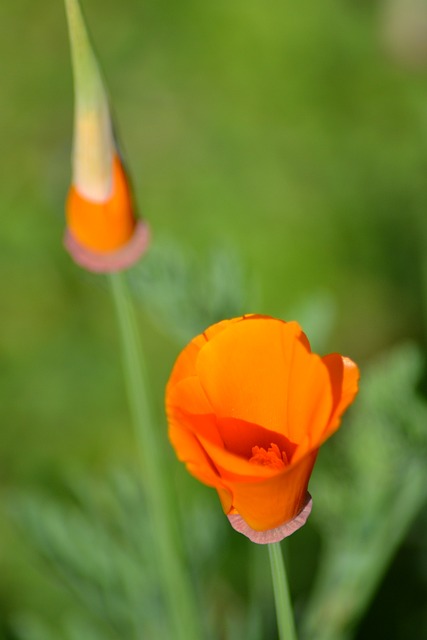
(248,406)
(105,236)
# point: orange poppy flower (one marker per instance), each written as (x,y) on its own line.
(103,233)
(248,407)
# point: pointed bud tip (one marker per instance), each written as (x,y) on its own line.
(94,145)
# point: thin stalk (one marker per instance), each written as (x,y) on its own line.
(284,613)
(177,587)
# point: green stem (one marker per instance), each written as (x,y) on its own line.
(177,587)
(284,613)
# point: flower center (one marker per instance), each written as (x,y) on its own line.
(273,458)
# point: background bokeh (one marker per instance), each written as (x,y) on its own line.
(291,136)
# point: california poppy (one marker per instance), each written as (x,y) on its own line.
(103,233)
(248,407)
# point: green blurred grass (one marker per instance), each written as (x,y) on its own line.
(280,128)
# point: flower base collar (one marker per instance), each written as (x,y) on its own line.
(111,261)
(276,534)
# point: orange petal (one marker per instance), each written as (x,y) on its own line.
(264,497)
(261,372)
(227,463)
(187,394)
(185,364)
(103,226)
(243,373)
(190,451)
(238,437)
(274,501)
(344,375)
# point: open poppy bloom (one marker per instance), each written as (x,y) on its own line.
(103,233)
(248,407)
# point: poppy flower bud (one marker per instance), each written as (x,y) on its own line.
(248,406)
(103,233)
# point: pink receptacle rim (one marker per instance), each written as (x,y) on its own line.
(111,261)
(276,534)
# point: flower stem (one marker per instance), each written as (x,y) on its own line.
(161,514)
(284,613)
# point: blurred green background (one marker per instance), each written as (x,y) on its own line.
(292,135)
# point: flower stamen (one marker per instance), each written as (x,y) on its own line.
(273,457)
